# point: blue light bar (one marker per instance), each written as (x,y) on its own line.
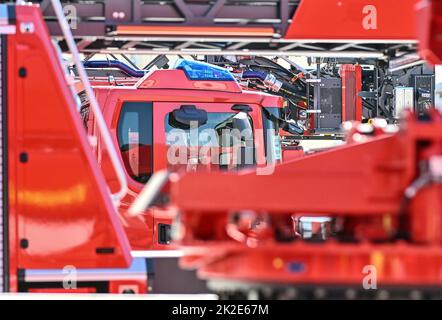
(196,70)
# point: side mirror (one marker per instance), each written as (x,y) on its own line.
(187,114)
(242,107)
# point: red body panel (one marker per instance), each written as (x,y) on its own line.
(354,20)
(331,263)
(60,212)
(347,167)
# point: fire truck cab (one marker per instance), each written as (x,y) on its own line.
(174,119)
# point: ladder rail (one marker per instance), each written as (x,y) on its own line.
(102,126)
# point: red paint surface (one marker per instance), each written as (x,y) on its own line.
(343,20)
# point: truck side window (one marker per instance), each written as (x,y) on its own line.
(135,128)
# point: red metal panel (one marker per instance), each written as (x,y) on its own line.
(354,19)
(347,169)
(60,210)
(330,263)
(12,176)
(351,76)
(358,81)
(61,290)
(429,28)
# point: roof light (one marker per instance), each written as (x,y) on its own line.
(196,70)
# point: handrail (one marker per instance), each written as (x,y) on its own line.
(104,131)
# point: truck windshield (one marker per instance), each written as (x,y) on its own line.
(216,143)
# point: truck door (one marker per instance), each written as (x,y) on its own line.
(134,132)
(142,130)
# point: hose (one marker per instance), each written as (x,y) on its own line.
(249,74)
(115,64)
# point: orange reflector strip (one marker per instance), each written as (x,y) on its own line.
(195,31)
